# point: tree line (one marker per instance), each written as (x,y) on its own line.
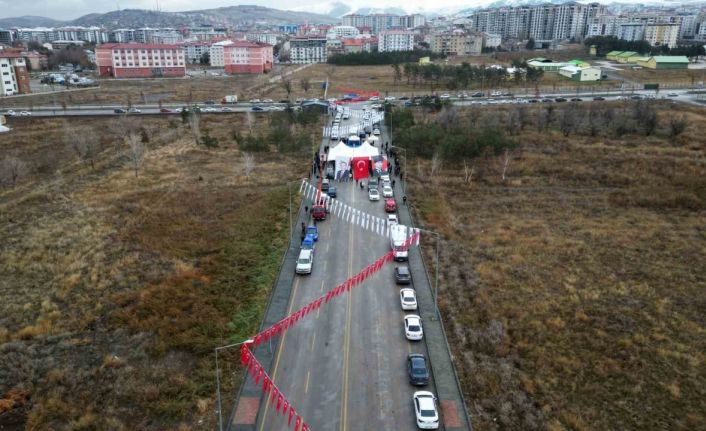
(378,58)
(606,44)
(459,77)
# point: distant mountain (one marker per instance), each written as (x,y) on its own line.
(29,21)
(373,10)
(225,16)
(334,9)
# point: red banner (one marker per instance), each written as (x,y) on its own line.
(360,167)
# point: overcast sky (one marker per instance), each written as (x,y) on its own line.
(71,9)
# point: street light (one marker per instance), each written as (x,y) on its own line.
(218,381)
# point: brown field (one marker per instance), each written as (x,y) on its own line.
(115,289)
(573,292)
(688,77)
(152,91)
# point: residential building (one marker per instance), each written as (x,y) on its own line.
(14,77)
(6,37)
(37,34)
(90,55)
(194,51)
(384,21)
(242,56)
(78,33)
(206,32)
(342,31)
(167,36)
(263,37)
(395,40)
(352,45)
(137,60)
(61,44)
(308,49)
(457,42)
(631,31)
(36,61)
(665,62)
(288,28)
(662,34)
(218,54)
(491,40)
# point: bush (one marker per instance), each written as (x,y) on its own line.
(375,57)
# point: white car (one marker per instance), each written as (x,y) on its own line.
(387,192)
(376,132)
(10,113)
(413,327)
(133,111)
(227,109)
(425,410)
(408,299)
(266,100)
(376,106)
(444,96)
(208,109)
(331,100)
(346,115)
(254,100)
(374,99)
(24,114)
(305,262)
(496,93)
(277,108)
(389,98)
(385,178)
(391,219)
(373,195)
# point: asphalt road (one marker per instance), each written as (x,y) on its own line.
(345,367)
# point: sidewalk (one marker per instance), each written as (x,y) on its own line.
(454,414)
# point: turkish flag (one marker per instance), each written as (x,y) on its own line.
(285,406)
(360,167)
(279,403)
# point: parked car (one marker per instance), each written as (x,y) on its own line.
(267,101)
(408,299)
(402,275)
(332,192)
(560,99)
(636,97)
(445,96)
(417,369)
(165,111)
(390,205)
(392,219)
(576,99)
(673,95)
(120,111)
(373,195)
(133,111)
(25,114)
(313,231)
(413,327)
(598,98)
(386,190)
(477,94)
(404,98)
(389,98)
(425,410)
(305,262)
(258,108)
(318,212)
(308,243)
(325,183)
(227,109)
(376,132)
(209,102)
(254,100)
(374,98)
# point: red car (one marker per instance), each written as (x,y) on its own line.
(165,111)
(318,212)
(390,205)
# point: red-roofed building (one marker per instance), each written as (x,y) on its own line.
(140,60)
(352,45)
(14,78)
(242,56)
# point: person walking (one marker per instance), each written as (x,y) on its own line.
(393,184)
(404,199)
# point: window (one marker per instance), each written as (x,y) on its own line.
(7,82)
(6,73)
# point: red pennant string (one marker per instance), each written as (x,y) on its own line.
(285,406)
(279,403)
(275,391)
(265,384)
(291,414)
(297,423)
(259,375)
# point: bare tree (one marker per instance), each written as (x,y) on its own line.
(435,163)
(136,151)
(287,85)
(250,120)
(513,122)
(522,116)
(505,163)
(195,124)
(467,173)
(592,121)
(645,116)
(305,83)
(248,164)
(677,125)
(83,144)
(569,118)
(11,169)
(448,117)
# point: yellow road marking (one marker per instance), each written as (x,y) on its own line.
(279,351)
(306,386)
(346,339)
(312,341)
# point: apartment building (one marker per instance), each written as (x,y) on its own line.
(14,77)
(262,37)
(308,49)
(395,40)
(193,51)
(135,60)
(457,42)
(342,31)
(384,21)
(662,34)
(631,31)
(242,56)
(6,37)
(218,53)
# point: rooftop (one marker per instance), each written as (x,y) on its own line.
(137,46)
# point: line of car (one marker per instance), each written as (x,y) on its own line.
(12,113)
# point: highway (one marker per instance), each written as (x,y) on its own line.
(345,368)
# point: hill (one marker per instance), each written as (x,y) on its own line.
(29,21)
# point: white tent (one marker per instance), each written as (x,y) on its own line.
(342,154)
(4,129)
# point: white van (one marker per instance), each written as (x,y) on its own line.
(305,262)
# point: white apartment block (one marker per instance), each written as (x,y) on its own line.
(395,40)
(14,78)
(193,51)
(268,38)
(342,31)
(662,34)
(217,53)
(632,31)
(384,21)
(310,49)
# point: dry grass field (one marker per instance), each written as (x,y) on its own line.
(115,288)
(573,292)
(687,77)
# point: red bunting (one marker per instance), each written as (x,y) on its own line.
(291,414)
(305,427)
(285,406)
(259,375)
(275,392)
(257,340)
(297,423)
(279,403)
(265,384)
